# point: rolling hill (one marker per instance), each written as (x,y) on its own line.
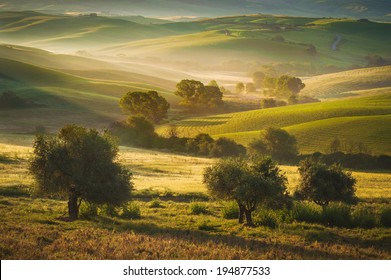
(358,82)
(88,96)
(259,38)
(266,39)
(64,33)
(365,119)
(341,8)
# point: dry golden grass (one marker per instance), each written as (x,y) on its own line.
(165,172)
(31,228)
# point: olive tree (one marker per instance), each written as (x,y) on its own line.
(322,184)
(79,164)
(249,183)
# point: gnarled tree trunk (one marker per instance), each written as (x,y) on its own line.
(241,214)
(249,218)
(73,207)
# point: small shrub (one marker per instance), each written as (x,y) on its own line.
(230,210)
(307,212)
(363,218)
(284,215)
(155,203)
(131,211)
(267,218)
(88,210)
(385,217)
(198,208)
(337,214)
(108,210)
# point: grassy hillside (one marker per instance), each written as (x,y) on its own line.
(325,8)
(261,38)
(72,32)
(364,119)
(349,83)
(91,100)
(267,39)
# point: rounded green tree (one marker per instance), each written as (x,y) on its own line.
(322,184)
(149,105)
(248,183)
(79,164)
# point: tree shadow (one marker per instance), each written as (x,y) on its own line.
(257,247)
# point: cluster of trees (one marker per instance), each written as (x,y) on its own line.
(245,88)
(80,164)
(270,102)
(360,161)
(204,145)
(196,96)
(351,147)
(139,132)
(283,86)
(259,182)
(154,107)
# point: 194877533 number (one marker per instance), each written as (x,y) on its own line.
(243,270)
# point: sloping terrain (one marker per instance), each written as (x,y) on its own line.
(349,83)
(341,8)
(364,119)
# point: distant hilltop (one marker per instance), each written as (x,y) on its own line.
(373,9)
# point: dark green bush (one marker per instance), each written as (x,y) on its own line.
(307,212)
(108,210)
(230,210)
(88,210)
(267,218)
(337,214)
(131,211)
(155,203)
(363,218)
(198,208)
(385,217)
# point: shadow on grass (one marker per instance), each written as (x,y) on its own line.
(284,251)
(15,191)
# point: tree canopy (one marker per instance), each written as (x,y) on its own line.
(276,143)
(322,184)
(79,164)
(195,95)
(249,183)
(283,86)
(149,105)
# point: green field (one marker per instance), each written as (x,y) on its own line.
(346,84)
(309,122)
(212,41)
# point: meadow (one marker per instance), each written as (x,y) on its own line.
(167,190)
(323,121)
